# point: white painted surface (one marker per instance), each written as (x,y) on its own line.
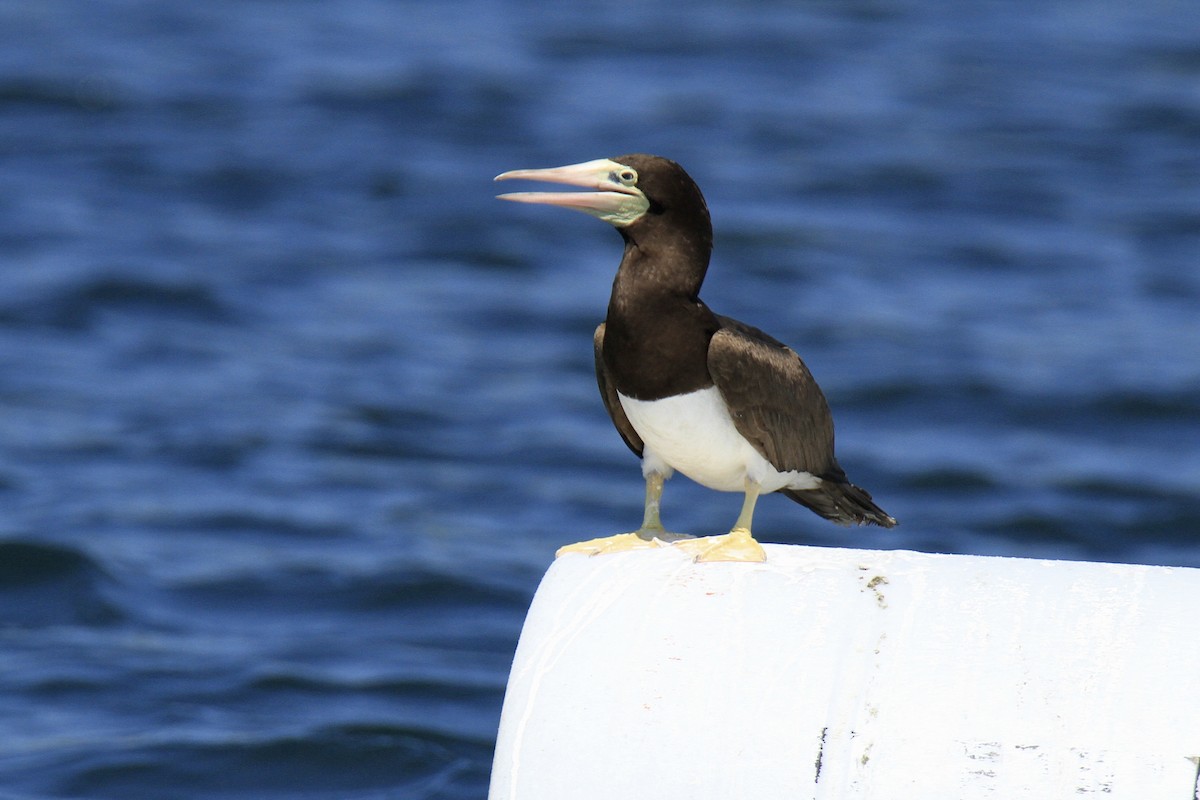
(838,674)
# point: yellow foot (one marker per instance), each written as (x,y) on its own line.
(644,539)
(737,545)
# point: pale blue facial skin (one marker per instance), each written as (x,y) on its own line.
(615,199)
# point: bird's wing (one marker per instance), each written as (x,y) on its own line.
(773,399)
(609,394)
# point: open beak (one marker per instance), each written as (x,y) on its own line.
(611,200)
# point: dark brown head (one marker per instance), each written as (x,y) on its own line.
(652,202)
(638,194)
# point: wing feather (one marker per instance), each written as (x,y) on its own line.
(609,394)
(773,398)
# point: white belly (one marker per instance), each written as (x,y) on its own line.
(693,433)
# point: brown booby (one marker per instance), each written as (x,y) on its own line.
(690,390)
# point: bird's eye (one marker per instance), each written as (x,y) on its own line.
(627,177)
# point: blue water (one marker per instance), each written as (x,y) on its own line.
(293,413)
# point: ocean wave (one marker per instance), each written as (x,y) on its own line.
(45,585)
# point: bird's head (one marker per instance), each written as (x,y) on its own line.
(627,192)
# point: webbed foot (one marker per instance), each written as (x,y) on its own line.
(737,545)
(643,539)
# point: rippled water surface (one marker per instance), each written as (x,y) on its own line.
(293,413)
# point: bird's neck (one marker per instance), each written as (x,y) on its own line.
(668,261)
(658,329)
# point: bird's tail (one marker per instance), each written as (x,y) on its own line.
(843,503)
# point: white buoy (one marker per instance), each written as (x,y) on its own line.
(837,674)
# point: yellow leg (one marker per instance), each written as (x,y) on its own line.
(738,544)
(651,534)
(651,523)
(746,517)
